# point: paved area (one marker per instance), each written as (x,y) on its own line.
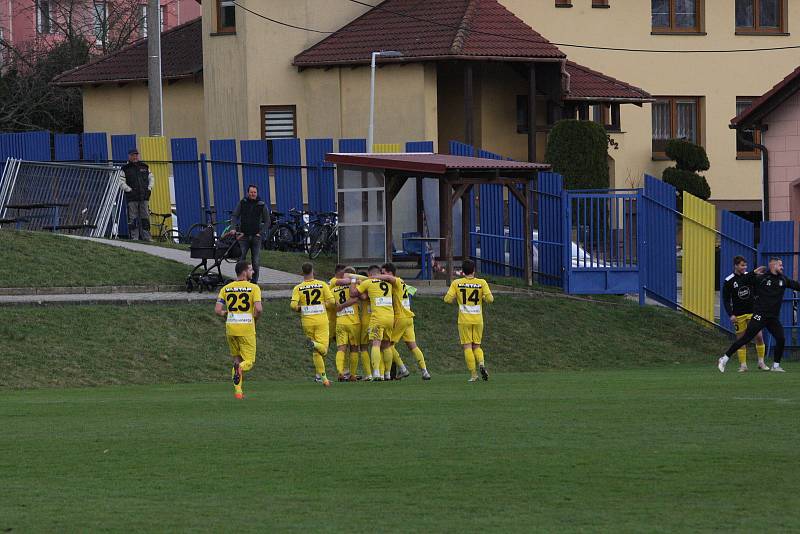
(270,276)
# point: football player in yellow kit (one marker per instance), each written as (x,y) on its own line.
(346,323)
(470,293)
(378,289)
(311,298)
(403,328)
(240,303)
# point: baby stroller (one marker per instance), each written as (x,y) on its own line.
(206,246)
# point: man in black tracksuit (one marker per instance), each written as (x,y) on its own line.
(138,183)
(769,286)
(737,298)
(251,221)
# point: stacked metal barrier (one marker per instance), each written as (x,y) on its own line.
(90,194)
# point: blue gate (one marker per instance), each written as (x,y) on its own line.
(604,232)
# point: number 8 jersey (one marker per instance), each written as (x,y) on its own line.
(469,293)
(239,298)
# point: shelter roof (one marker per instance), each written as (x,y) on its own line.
(429,163)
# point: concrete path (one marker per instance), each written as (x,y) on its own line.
(266,276)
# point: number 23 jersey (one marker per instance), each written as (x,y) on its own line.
(240,298)
(312,297)
(469,293)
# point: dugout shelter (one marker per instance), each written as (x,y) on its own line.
(367,184)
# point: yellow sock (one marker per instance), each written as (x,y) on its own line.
(377,359)
(387,361)
(340,362)
(398,361)
(366,363)
(417,352)
(742,354)
(761,350)
(478,355)
(319,364)
(469,357)
(353,362)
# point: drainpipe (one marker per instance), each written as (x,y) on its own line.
(764,168)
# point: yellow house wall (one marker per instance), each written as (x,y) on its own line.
(124,110)
(719,78)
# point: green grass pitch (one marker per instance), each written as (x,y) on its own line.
(679,448)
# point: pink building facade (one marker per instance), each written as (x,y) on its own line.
(776,115)
(24,22)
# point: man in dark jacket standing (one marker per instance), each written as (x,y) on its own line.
(251,221)
(138,185)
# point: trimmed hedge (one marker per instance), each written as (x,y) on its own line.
(688,181)
(687,156)
(578,150)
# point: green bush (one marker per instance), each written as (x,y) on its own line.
(687,156)
(688,181)
(578,150)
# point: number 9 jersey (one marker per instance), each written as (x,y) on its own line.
(470,293)
(239,298)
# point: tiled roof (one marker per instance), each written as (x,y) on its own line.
(770,100)
(588,84)
(432,163)
(182,57)
(432,29)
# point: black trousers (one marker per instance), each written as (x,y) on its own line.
(756,324)
(253,244)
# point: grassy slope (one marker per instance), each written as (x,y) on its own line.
(90,345)
(678,449)
(44,260)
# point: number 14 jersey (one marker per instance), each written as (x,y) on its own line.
(239,298)
(469,293)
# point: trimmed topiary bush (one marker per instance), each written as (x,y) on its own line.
(689,160)
(578,150)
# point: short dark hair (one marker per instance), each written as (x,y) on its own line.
(252,186)
(468,266)
(774,258)
(362,273)
(241,266)
(372,268)
(339,268)
(132,151)
(349,270)
(389,267)
(307,267)
(738,259)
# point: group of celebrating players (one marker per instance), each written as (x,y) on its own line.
(366,314)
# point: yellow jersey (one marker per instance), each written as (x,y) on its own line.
(348,315)
(239,298)
(380,298)
(312,298)
(401,299)
(470,293)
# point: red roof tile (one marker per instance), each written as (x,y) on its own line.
(432,163)
(770,100)
(436,29)
(588,84)
(182,57)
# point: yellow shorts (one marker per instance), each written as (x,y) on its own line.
(348,334)
(380,329)
(404,329)
(470,333)
(741,322)
(318,333)
(245,348)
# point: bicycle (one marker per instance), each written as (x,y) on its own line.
(280,234)
(165,233)
(324,235)
(195,229)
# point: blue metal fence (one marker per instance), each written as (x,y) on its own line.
(777,239)
(288,175)
(257,154)
(320,178)
(736,239)
(186,176)
(225,174)
(549,240)
(660,259)
(67,147)
(95,147)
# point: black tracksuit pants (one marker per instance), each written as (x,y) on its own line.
(756,324)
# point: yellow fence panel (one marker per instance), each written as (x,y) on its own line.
(154,149)
(699,240)
(387,148)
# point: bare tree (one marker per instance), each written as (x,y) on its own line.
(69,33)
